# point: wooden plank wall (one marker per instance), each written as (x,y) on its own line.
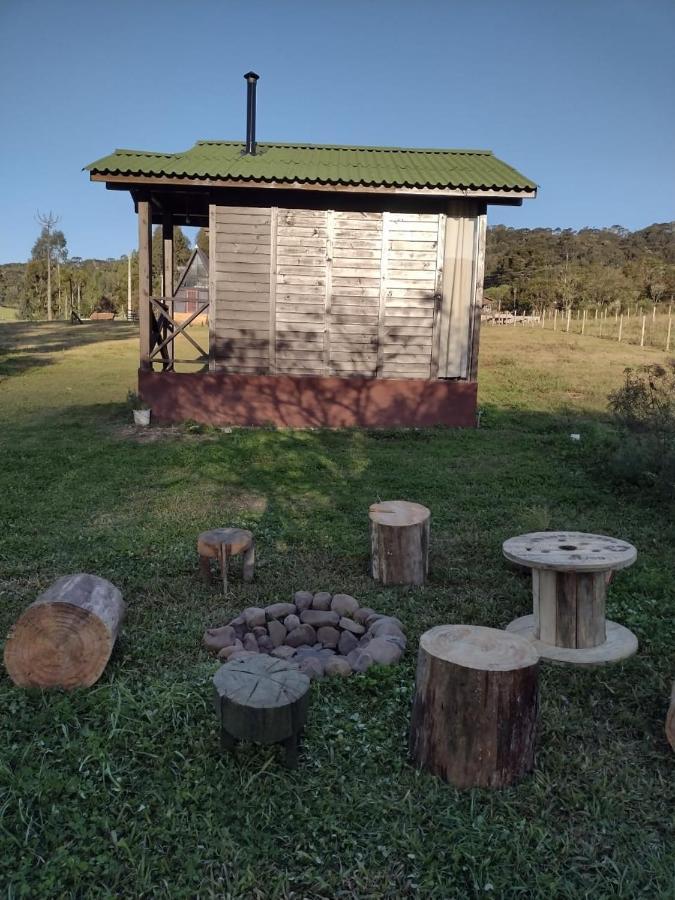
(241,279)
(355,293)
(410,288)
(321,292)
(301,260)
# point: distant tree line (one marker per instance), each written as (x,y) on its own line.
(53,284)
(525,269)
(604,267)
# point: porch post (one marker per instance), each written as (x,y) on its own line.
(144,279)
(167,267)
(167,245)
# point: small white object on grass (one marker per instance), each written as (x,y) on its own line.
(575,437)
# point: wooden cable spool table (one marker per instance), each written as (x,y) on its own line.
(399,540)
(262,699)
(570,575)
(222,543)
(476,703)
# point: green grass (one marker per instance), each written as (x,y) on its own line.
(120,790)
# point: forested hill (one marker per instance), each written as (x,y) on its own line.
(524,268)
(593,266)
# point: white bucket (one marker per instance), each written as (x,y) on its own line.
(141,417)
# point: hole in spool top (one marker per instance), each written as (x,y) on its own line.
(566,547)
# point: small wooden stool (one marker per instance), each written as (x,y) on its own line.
(262,699)
(476,702)
(571,571)
(220,544)
(399,541)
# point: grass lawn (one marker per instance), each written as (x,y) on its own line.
(120,790)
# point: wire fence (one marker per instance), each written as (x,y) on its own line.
(646,328)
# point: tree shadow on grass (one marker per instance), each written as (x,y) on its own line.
(17,365)
(25,345)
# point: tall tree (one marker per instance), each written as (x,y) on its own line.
(202,240)
(50,245)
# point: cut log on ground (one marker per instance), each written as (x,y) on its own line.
(65,638)
(670,720)
(476,702)
(399,539)
(262,699)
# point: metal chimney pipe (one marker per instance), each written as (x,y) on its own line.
(251,79)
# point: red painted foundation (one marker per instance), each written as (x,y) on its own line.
(313,401)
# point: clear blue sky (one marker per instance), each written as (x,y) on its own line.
(577,95)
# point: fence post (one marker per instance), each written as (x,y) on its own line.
(670,322)
(642,336)
(569,316)
(620,326)
(583,322)
(555,319)
(654,313)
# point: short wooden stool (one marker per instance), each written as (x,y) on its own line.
(262,699)
(571,571)
(476,702)
(399,542)
(222,543)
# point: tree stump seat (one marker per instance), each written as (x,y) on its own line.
(222,543)
(64,638)
(399,539)
(476,703)
(571,571)
(262,699)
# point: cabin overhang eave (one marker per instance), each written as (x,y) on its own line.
(490,195)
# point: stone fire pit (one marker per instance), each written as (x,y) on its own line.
(324,634)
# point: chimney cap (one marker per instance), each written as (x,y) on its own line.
(251,77)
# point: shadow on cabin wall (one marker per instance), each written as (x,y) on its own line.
(311,401)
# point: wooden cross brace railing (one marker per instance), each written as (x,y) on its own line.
(164,331)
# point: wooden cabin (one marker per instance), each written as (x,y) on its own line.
(344,283)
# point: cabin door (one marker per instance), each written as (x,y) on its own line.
(454,312)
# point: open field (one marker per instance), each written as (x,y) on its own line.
(121,790)
(658,325)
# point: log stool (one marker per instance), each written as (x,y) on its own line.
(475,710)
(262,699)
(64,638)
(399,540)
(570,574)
(222,543)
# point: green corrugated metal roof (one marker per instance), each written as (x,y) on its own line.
(322,164)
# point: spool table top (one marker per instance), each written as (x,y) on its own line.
(398,513)
(569,551)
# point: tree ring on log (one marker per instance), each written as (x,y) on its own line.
(478,647)
(64,639)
